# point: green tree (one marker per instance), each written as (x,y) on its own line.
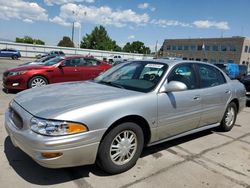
(99,40)
(29,40)
(66,42)
(136,47)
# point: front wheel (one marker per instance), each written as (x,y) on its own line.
(229,118)
(37,81)
(121,148)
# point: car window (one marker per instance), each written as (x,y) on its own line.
(72,62)
(184,73)
(91,62)
(210,76)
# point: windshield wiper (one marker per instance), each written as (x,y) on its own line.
(111,84)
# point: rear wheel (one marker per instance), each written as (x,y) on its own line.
(229,118)
(37,81)
(121,148)
(14,57)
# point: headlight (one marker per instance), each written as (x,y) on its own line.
(16,73)
(56,128)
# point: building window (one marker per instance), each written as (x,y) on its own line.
(232,48)
(193,47)
(230,61)
(191,58)
(207,48)
(173,47)
(184,58)
(215,48)
(205,60)
(198,59)
(243,62)
(213,61)
(199,47)
(185,47)
(249,49)
(179,47)
(223,48)
(168,47)
(221,61)
(246,49)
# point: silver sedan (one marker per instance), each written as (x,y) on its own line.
(110,119)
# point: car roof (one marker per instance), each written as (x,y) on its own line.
(173,62)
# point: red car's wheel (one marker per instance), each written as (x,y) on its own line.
(37,81)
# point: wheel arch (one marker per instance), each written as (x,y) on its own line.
(35,76)
(139,120)
(236,101)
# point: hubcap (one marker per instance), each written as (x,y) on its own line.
(123,147)
(230,115)
(38,82)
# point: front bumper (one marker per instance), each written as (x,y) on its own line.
(78,149)
(248,96)
(15,82)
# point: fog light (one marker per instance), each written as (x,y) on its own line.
(15,84)
(51,155)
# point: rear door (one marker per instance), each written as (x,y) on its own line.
(179,112)
(215,92)
(89,68)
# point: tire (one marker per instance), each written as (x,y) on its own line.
(37,81)
(14,57)
(129,151)
(229,117)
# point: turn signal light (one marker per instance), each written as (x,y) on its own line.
(76,128)
(51,155)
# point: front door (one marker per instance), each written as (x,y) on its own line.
(179,112)
(69,72)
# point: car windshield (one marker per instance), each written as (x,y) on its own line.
(53,61)
(137,75)
(44,59)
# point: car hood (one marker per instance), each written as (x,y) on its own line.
(37,63)
(56,99)
(27,67)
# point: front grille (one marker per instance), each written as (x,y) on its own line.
(17,120)
(5,74)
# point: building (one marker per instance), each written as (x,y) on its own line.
(213,50)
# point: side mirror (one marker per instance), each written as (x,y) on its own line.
(61,65)
(173,86)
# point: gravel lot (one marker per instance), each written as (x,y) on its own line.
(207,159)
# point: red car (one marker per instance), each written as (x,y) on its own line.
(58,69)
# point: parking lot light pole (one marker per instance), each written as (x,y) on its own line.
(73,28)
(80,30)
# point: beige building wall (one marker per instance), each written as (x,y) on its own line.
(229,49)
(245,56)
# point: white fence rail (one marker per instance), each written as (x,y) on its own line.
(31,50)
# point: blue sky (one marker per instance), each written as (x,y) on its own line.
(125,20)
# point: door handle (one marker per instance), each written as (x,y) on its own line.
(197,97)
(227,91)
